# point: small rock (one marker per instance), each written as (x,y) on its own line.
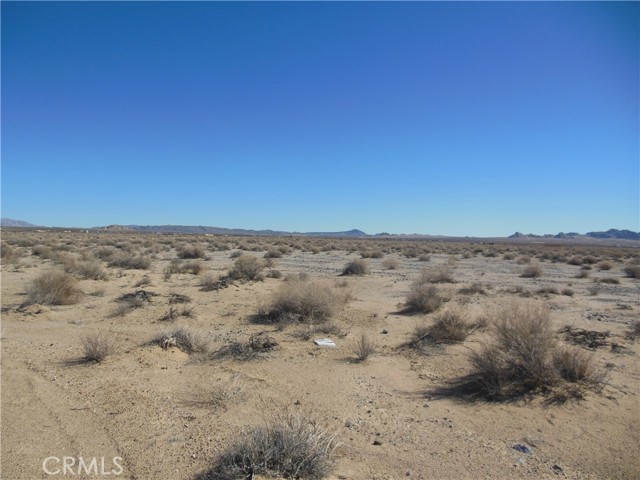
(557,469)
(522,448)
(377,442)
(385,331)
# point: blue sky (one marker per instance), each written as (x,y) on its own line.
(441,118)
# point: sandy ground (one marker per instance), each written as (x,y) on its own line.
(143,403)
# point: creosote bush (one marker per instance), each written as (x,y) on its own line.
(290,446)
(54,288)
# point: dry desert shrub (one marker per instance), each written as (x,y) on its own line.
(391,263)
(129,261)
(273,253)
(356,267)
(632,270)
(191,251)
(449,327)
(441,274)
(9,254)
(364,347)
(533,270)
(303,301)
(473,289)
(174,313)
(290,446)
(423,257)
(91,270)
(54,288)
(97,346)
(184,338)
(372,253)
(258,345)
(604,265)
(525,357)
(423,298)
(247,267)
(220,394)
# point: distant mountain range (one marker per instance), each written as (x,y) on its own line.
(223,231)
(10,222)
(609,234)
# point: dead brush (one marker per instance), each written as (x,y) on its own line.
(97,346)
(174,313)
(219,394)
(289,446)
(258,345)
(184,338)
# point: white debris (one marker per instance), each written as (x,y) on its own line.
(325,342)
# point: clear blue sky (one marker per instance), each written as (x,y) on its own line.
(440,118)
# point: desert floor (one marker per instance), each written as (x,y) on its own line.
(169,414)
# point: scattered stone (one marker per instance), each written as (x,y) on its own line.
(589,338)
(139,295)
(385,331)
(178,298)
(261,342)
(557,469)
(377,442)
(522,448)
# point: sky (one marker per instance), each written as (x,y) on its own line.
(450,118)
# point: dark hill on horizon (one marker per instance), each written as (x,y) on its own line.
(10,222)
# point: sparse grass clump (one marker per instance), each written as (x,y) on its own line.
(303,301)
(247,267)
(441,274)
(287,447)
(364,347)
(356,267)
(54,288)
(97,346)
